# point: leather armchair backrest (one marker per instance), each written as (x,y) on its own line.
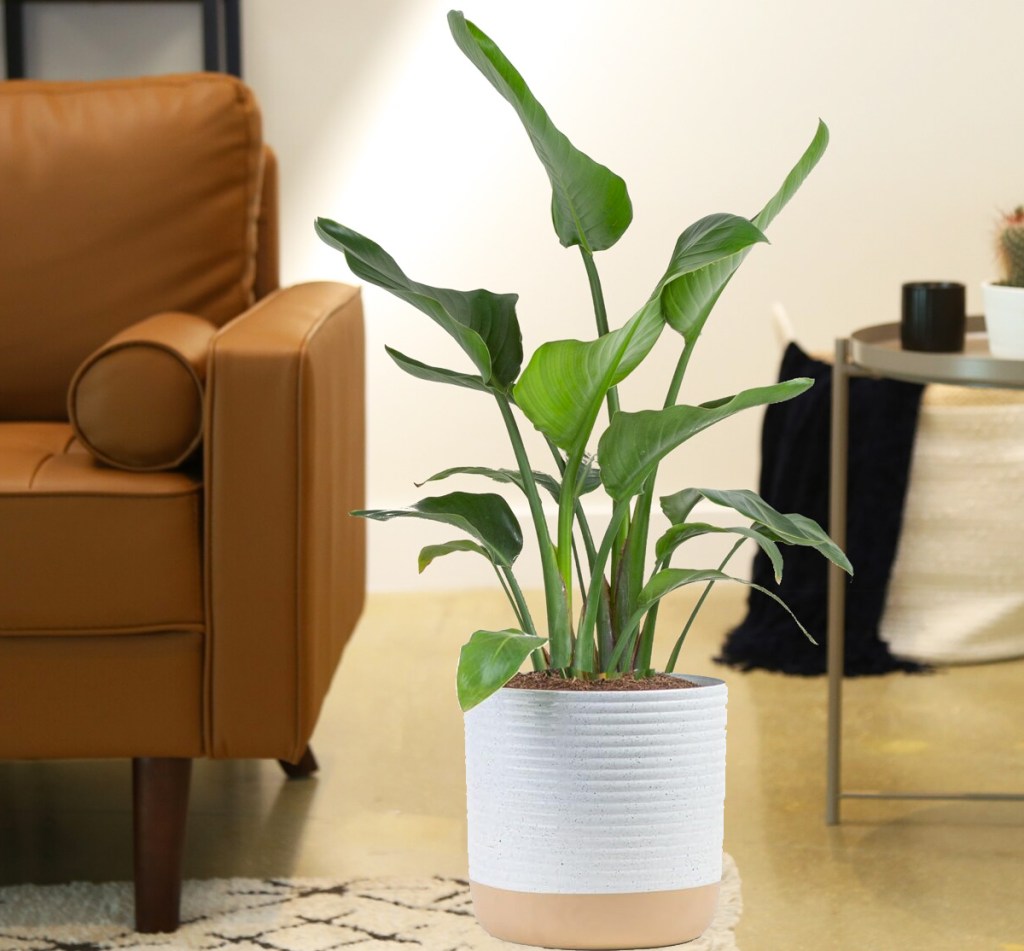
(118,199)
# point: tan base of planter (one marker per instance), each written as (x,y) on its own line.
(636,920)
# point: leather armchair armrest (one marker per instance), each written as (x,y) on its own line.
(285,570)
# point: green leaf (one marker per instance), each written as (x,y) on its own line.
(591,480)
(431,552)
(678,506)
(691,298)
(590,206)
(489,660)
(482,323)
(670,579)
(634,443)
(423,371)
(792,529)
(487,517)
(678,534)
(564,384)
(702,246)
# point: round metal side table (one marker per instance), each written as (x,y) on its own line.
(876,351)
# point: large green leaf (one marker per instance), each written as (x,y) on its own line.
(483,323)
(486,516)
(423,371)
(489,660)
(564,384)
(727,234)
(792,529)
(634,443)
(678,534)
(430,553)
(590,206)
(591,478)
(670,579)
(689,300)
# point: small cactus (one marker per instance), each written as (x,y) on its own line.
(1010,245)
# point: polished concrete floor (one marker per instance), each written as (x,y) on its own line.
(389,800)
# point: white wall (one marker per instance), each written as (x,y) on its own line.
(700,106)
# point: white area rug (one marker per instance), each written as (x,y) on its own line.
(237,914)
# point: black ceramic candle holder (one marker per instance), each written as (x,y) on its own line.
(933,317)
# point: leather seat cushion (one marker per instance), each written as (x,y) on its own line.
(87,549)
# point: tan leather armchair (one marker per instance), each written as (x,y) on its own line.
(198,608)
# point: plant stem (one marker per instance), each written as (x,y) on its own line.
(696,609)
(584,654)
(601,319)
(555,590)
(636,543)
(645,645)
(511,598)
(539,663)
(567,500)
(581,515)
(604,622)
(521,605)
(515,596)
(677,377)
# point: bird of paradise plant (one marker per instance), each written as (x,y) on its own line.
(601,600)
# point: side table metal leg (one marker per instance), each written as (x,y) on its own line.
(836,578)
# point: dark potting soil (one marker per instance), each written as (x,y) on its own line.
(542,680)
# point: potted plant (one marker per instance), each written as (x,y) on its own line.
(1004,300)
(595,784)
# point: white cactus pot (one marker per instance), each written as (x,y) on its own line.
(1004,320)
(596,817)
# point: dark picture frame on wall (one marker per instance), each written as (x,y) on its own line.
(222,36)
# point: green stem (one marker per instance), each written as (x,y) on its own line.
(521,611)
(600,317)
(520,601)
(581,515)
(511,598)
(636,542)
(696,609)
(646,644)
(677,377)
(566,511)
(555,589)
(604,623)
(584,656)
(612,397)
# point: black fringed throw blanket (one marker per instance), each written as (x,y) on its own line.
(795,478)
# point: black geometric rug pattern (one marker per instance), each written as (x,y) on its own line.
(421,914)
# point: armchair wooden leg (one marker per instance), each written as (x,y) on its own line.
(304,768)
(160,802)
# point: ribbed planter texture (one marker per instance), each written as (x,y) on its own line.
(1004,320)
(596,817)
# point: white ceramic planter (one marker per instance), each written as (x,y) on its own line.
(1004,320)
(596,818)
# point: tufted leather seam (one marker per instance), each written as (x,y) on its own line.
(126,496)
(161,627)
(35,472)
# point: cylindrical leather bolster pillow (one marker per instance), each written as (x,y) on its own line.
(137,402)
